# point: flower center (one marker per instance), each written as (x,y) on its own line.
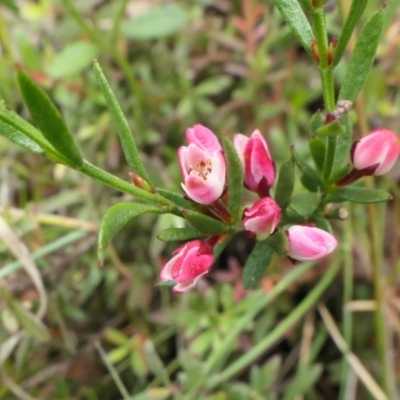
(202,168)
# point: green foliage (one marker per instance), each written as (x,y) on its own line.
(285,184)
(178,234)
(357,194)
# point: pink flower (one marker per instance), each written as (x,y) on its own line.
(188,264)
(262,218)
(308,243)
(376,152)
(259,169)
(203,166)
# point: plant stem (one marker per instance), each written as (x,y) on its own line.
(347,248)
(277,333)
(117,183)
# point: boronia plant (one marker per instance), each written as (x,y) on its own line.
(216,172)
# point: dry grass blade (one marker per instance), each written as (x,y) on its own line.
(362,373)
(18,248)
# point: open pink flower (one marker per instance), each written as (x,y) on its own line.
(188,264)
(309,243)
(203,166)
(259,169)
(262,218)
(376,152)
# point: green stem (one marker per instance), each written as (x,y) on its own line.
(380,320)
(117,22)
(347,248)
(328,89)
(318,18)
(276,334)
(117,183)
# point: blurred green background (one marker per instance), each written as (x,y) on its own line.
(230,65)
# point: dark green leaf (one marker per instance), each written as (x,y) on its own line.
(293,14)
(317,121)
(362,58)
(178,234)
(322,223)
(318,150)
(125,134)
(235,179)
(204,224)
(285,184)
(278,242)
(73,59)
(256,265)
(220,246)
(304,380)
(332,129)
(114,220)
(310,178)
(156,23)
(305,204)
(356,11)
(177,199)
(342,152)
(357,194)
(48,119)
(213,85)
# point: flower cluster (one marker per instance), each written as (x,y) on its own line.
(203,168)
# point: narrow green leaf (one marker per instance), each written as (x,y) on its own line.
(322,223)
(305,204)
(32,324)
(318,150)
(177,199)
(362,58)
(310,178)
(235,179)
(178,234)
(48,119)
(316,122)
(256,265)
(332,129)
(204,224)
(304,380)
(213,85)
(357,194)
(127,141)
(278,242)
(342,151)
(115,219)
(356,11)
(285,184)
(294,16)
(17,137)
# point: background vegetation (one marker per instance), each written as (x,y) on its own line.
(109,332)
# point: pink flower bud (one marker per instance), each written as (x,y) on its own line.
(262,218)
(259,169)
(308,243)
(203,166)
(376,152)
(188,264)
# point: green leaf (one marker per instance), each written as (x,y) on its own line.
(48,119)
(17,137)
(278,242)
(316,122)
(177,199)
(10,4)
(322,223)
(256,265)
(156,23)
(285,184)
(310,179)
(304,380)
(362,58)
(235,176)
(305,204)
(73,59)
(318,150)
(213,86)
(342,151)
(115,219)
(32,324)
(357,194)
(294,16)
(356,11)
(334,128)
(178,234)
(204,224)
(125,134)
